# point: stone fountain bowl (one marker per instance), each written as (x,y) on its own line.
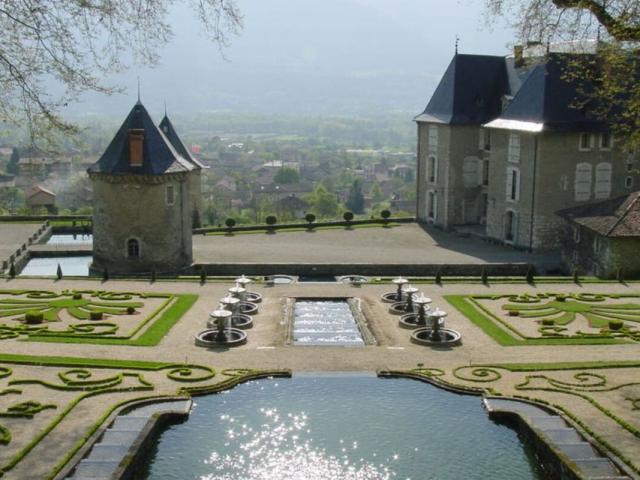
(280,279)
(247,308)
(237,320)
(253,297)
(209,338)
(412,320)
(392,297)
(353,279)
(448,338)
(400,308)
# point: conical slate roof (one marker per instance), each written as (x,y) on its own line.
(158,154)
(167,129)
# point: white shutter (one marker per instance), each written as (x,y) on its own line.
(433,138)
(603,180)
(582,185)
(514,147)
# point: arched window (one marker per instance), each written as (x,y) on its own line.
(133,248)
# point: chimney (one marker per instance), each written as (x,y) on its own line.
(518,55)
(136,140)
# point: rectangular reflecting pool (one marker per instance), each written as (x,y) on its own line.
(70,239)
(346,427)
(325,322)
(47,266)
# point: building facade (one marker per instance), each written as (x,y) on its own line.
(142,201)
(502,146)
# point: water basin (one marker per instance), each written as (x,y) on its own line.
(47,266)
(325,322)
(347,427)
(70,239)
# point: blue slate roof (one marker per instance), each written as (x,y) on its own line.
(474,88)
(470,91)
(159,155)
(549,98)
(170,132)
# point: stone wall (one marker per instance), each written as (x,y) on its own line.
(135,207)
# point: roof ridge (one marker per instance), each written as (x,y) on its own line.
(624,215)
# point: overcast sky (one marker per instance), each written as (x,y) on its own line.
(344,57)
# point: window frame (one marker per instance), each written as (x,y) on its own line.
(513,193)
(511,233)
(514,147)
(128,245)
(432,205)
(604,135)
(432,160)
(590,141)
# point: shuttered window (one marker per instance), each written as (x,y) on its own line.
(603,180)
(514,147)
(513,184)
(433,138)
(582,185)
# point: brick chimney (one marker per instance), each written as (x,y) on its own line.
(136,140)
(518,55)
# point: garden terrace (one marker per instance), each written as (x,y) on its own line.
(61,388)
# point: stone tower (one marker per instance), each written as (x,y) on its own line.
(195,177)
(143,205)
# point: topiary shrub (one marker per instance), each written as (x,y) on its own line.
(59,272)
(484,278)
(131,310)
(154,275)
(438,278)
(271,220)
(385,214)
(33,317)
(529,276)
(615,324)
(514,313)
(105,275)
(561,298)
(12,270)
(77,296)
(620,275)
(203,276)
(310,218)
(95,315)
(547,322)
(348,216)
(576,276)
(230,222)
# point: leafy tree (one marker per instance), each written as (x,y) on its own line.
(12,165)
(613,92)
(286,175)
(323,203)
(77,44)
(377,195)
(355,201)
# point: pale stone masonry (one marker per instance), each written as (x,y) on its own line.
(502,145)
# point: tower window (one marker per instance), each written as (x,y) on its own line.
(133,248)
(433,169)
(171,195)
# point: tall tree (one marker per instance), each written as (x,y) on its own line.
(355,200)
(75,43)
(12,165)
(614,90)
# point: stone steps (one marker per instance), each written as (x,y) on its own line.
(562,437)
(107,453)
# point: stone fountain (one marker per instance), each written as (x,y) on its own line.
(419,319)
(407,305)
(436,334)
(237,319)
(397,296)
(251,297)
(222,335)
(248,308)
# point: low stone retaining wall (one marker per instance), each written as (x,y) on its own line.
(366,269)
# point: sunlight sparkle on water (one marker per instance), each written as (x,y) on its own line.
(277,450)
